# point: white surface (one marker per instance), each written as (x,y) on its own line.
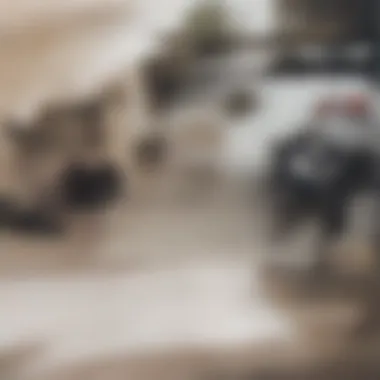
(206,304)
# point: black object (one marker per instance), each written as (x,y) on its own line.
(35,222)
(88,188)
(337,175)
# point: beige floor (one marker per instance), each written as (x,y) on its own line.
(164,286)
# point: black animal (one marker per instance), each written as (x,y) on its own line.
(312,177)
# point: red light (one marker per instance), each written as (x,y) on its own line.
(357,105)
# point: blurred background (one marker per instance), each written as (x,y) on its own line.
(245,245)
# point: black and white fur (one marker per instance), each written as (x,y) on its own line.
(316,173)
